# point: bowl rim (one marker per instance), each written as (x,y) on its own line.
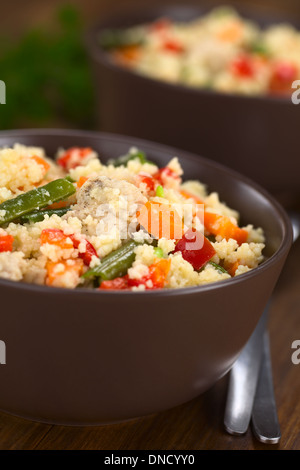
(99,54)
(282,216)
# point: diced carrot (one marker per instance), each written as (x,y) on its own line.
(232,267)
(56,237)
(188,195)
(59,205)
(40,161)
(222,225)
(59,273)
(157,274)
(81,181)
(127,55)
(6,242)
(231,32)
(161,220)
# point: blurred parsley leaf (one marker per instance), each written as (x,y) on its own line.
(47,76)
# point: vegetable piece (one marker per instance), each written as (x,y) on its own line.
(260,48)
(231,32)
(6,242)
(35,199)
(40,161)
(161,220)
(119,283)
(163,174)
(158,252)
(171,45)
(64,273)
(160,191)
(81,181)
(38,216)
(188,195)
(147,180)
(221,225)
(59,205)
(73,157)
(127,55)
(124,159)
(116,39)
(90,251)
(218,267)
(155,279)
(232,267)
(56,237)
(195,248)
(243,67)
(160,25)
(284,73)
(115,264)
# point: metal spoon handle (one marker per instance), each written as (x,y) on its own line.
(264,415)
(243,381)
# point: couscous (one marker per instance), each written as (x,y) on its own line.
(125,225)
(220,51)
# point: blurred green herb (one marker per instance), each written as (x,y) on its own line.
(47,76)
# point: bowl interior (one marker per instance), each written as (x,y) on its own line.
(253,203)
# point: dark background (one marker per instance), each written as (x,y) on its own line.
(43,59)
(19,15)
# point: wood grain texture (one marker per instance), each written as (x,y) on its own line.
(199,423)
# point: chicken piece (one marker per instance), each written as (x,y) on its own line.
(103,202)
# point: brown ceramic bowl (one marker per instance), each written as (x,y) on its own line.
(88,357)
(257,136)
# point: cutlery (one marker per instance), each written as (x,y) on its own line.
(243,381)
(250,392)
(265,423)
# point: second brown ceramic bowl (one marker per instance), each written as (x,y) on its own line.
(90,357)
(257,136)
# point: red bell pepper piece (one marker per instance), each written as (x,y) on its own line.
(73,157)
(171,45)
(163,174)
(283,75)
(195,248)
(243,67)
(119,283)
(88,254)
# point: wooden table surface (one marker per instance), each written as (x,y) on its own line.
(199,423)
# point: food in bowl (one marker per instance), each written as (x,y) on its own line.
(220,50)
(125,225)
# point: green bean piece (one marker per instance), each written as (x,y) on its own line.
(38,216)
(68,178)
(218,267)
(160,191)
(259,48)
(124,159)
(35,199)
(158,252)
(116,263)
(117,39)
